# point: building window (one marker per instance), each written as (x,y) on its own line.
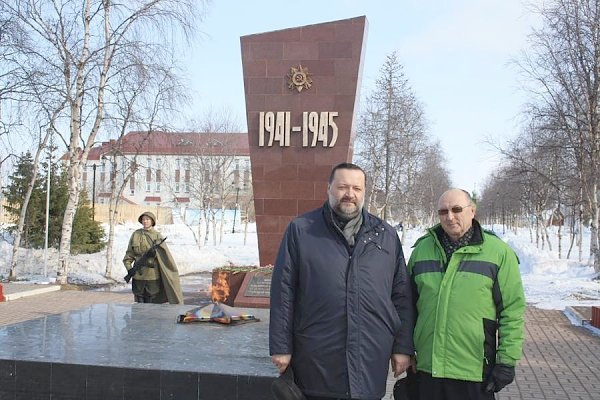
(158,173)
(148,174)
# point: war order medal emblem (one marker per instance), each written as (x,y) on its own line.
(299,78)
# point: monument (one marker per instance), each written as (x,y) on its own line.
(301,86)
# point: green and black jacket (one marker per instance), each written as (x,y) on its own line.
(463,302)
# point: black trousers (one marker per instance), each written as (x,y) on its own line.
(431,388)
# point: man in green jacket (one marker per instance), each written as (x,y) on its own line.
(470,303)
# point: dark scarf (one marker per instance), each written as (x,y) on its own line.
(348,227)
(450,246)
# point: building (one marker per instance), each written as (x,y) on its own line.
(171,169)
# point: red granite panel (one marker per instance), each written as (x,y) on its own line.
(297,189)
(300,156)
(289,180)
(596,317)
(305,206)
(331,157)
(281,206)
(345,85)
(282,172)
(320,69)
(327,86)
(271,189)
(316,173)
(256,68)
(322,34)
(258,171)
(321,103)
(267,156)
(353,31)
(300,51)
(254,86)
(267,253)
(259,206)
(264,50)
(281,69)
(267,86)
(283,35)
(284,221)
(269,223)
(320,189)
(257,101)
(345,68)
(344,103)
(335,50)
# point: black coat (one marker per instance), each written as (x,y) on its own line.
(340,312)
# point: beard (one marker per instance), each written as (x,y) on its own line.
(346,209)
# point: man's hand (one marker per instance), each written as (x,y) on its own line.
(500,376)
(400,363)
(281,361)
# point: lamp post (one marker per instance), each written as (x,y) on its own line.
(493,214)
(503,219)
(94,192)
(237,195)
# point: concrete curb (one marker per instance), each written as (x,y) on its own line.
(578,319)
(575,316)
(31,292)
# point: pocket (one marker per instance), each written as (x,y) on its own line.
(489,345)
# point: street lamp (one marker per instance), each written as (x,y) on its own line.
(237,195)
(94,192)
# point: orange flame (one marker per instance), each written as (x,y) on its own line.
(219,290)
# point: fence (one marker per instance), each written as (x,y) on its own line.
(131,212)
(125,213)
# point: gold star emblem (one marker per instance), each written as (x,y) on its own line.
(299,78)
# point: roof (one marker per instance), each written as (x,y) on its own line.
(175,143)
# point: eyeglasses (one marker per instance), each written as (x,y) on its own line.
(455,210)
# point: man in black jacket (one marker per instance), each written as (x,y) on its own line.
(341,305)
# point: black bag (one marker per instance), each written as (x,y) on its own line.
(284,388)
(407,388)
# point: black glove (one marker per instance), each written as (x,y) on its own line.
(500,376)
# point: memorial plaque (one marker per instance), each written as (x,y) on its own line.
(259,286)
(255,291)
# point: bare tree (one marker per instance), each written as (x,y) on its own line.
(84,46)
(564,65)
(392,145)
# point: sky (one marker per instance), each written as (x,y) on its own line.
(457,57)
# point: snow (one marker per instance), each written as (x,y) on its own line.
(550,282)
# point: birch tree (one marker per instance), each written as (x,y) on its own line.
(392,144)
(563,64)
(80,49)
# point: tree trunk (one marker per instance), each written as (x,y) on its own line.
(12,275)
(64,254)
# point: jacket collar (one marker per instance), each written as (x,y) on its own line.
(369,220)
(476,239)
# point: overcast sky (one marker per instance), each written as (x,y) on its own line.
(456,56)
